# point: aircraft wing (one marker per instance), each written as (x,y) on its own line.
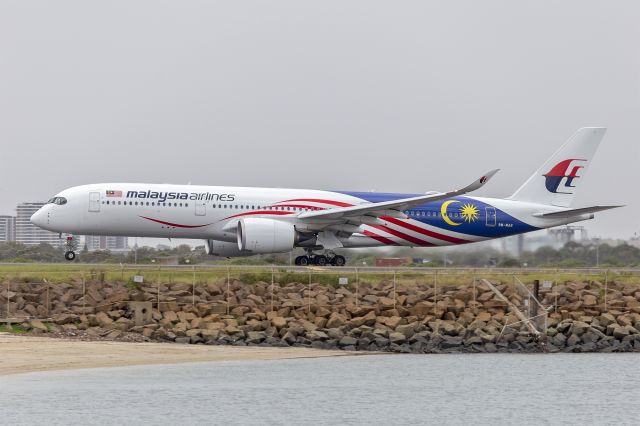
(392,208)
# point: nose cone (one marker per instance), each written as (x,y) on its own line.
(39,218)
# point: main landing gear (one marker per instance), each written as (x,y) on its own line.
(329,258)
(70,247)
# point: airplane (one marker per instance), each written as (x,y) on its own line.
(244,221)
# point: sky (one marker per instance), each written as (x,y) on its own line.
(404,96)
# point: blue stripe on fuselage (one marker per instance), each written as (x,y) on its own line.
(430,214)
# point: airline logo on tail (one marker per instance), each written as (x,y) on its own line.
(566,169)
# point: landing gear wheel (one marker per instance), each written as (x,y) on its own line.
(338,260)
(70,256)
(302,260)
(320,260)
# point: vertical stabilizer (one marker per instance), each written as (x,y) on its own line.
(556,182)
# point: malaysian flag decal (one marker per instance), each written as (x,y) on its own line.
(111,193)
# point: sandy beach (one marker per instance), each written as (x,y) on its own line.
(22,354)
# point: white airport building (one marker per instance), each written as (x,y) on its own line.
(115,244)
(7,228)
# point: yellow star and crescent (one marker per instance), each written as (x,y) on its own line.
(468,212)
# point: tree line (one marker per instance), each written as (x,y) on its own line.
(572,254)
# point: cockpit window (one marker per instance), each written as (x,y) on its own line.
(57,200)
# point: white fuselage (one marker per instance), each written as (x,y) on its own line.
(210,213)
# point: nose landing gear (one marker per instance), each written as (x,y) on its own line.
(328,258)
(71,245)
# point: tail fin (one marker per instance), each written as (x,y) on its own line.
(556,182)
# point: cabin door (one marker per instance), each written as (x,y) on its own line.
(201,208)
(491,216)
(94,201)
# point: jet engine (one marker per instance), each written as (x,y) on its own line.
(224,249)
(260,235)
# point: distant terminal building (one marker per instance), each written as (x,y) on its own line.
(28,233)
(96,242)
(7,228)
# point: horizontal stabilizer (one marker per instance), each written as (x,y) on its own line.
(574,212)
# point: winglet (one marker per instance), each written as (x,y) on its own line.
(479,183)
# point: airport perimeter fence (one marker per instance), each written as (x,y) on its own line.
(40,291)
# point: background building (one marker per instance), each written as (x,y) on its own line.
(95,242)
(7,228)
(28,233)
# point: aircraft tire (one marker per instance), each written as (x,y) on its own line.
(70,256)
(320,260)
(338,260)
(302,261)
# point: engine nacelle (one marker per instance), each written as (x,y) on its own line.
(260,235)
(224,249)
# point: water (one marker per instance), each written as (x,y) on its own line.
(382,389)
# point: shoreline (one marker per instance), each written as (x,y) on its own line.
(26,354)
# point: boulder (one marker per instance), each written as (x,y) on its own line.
(186,316)
(103,320)
(369,319)
(407,330)
(450,328)
(397,338)
(579,328)
(385,303)
(559,340)
(38,325)
(279,322)
(336,320)
(335,333)
(573,340)
(255,336)
(392,322)
(348,341)
(317,335)
(483,316)
(61,319)
(623,331)
(451,342)
(289,337)
(209,335)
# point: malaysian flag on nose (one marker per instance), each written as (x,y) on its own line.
(112,193)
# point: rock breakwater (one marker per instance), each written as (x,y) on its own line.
(408,318)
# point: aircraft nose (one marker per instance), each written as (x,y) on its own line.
(39,218)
